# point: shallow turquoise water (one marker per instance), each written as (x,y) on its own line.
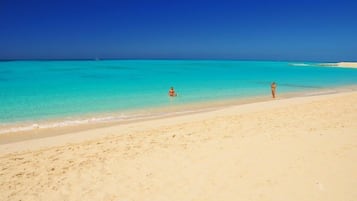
(37,90)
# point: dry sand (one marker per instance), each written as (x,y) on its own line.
(296,149)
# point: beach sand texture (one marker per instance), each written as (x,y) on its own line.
(293,149)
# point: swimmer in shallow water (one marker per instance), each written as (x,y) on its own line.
(172,92)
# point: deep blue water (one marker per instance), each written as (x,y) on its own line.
(37,90)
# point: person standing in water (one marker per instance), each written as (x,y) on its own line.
(172,92)
(273,89)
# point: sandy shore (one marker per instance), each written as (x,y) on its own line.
(341,64)
(347,64)
(294,149)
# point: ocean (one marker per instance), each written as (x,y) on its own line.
(88,90)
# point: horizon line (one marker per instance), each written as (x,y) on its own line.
(203,59)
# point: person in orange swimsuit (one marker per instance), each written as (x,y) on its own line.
(172,92)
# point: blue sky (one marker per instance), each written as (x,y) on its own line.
(312,30)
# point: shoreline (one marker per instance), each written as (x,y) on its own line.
(340,65)
(285,149)
(53,133)
(329,64)
(16,132)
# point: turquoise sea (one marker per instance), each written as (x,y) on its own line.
(32,91)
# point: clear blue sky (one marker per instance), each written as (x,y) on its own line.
(315,30)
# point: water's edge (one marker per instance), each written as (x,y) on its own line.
(63,126)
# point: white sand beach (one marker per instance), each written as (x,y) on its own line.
(347,64)
(295,149)
(341,64)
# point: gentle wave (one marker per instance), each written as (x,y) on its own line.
(52,125)
(299,64)
(106,119)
